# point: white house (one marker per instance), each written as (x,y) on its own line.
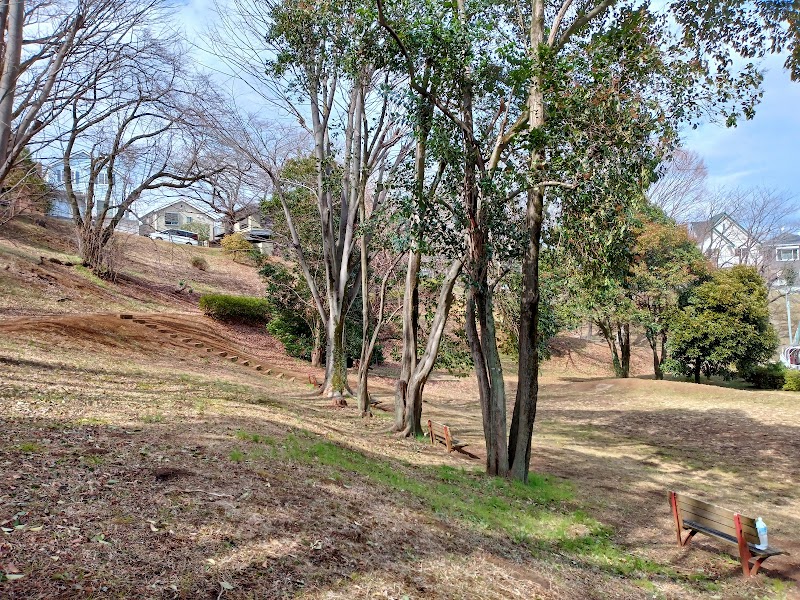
(724,242)
(178,215)
(258,234)
(782,255)
(80,165)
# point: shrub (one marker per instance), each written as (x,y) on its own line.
(235,245)
(767,377)
(455,356)
(792,381)
(294,333)
(198,262)
(235,309)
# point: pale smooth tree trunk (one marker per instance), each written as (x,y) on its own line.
(12,15)
(422,370)
(521,433)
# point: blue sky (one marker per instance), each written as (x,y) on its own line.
(764,151)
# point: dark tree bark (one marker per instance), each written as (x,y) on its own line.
(521,434)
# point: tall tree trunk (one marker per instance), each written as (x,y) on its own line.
(615,339)
(13,17)
(316,351)
(363,363)
(697,371)
(655,340)
(336,360)
(408,361)
(521,434)
(481,334)
(624,337)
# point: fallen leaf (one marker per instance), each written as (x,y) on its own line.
(226,586)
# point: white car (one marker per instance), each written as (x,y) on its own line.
(176,236)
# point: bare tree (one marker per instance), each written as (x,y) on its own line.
(342,108)
(142,125)
(234,192)
(46,48)
(681,188)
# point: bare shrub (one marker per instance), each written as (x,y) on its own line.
(200,263)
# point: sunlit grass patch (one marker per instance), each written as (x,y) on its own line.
(28,448)
(88,274)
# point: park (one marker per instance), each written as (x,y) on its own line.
(395,299)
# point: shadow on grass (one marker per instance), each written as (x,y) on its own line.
(277,512)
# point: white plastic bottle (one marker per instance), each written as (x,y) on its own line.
(761,528)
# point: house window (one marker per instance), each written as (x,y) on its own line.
(171,219)
(787,254)
(102,179)
(188,219)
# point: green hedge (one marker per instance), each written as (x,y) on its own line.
(792,383)
(235,309)
(767,377)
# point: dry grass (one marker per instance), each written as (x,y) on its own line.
(150,274)
(152,470)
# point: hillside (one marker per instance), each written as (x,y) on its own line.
(150,273)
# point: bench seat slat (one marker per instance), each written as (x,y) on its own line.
(769,551)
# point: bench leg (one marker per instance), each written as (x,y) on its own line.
(757,565)
(430,432)
(673,503)
(688,538)
(744,551)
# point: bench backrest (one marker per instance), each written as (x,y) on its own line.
(714,517)
(440,433)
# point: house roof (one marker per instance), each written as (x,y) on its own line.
(174,204)
(712,221)
(785,239)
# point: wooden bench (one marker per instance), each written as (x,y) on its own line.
(697,516)
(441,433)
